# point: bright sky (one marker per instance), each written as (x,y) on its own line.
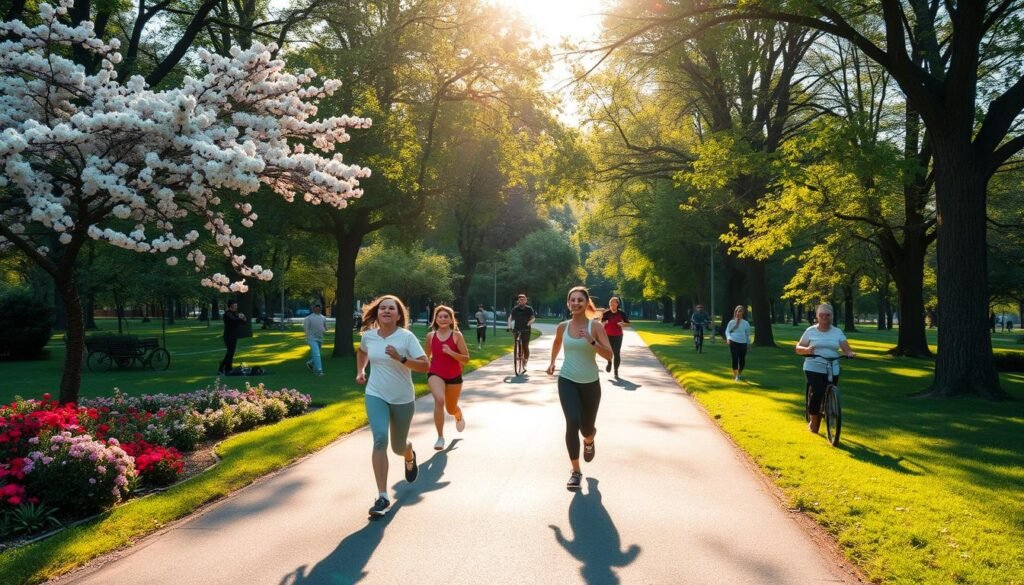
(555,20)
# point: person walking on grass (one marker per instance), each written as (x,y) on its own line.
(579,382)
(481,327)
(233,323)
(825,340)
(737,335)
(393,353)
(613,320)
(447,351)
(315,326)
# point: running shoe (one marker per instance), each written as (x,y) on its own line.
(439,444)
(589,451)
(575,479)
(380,507)
(412,470)
(309,365)
(460,425)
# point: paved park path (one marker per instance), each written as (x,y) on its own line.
(667,500)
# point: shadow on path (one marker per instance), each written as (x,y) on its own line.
(626,384)
(347,563)
(597,543)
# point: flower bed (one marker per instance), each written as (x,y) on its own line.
(63,462)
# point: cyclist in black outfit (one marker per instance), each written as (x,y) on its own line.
(520,318)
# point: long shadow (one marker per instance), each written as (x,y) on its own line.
(347,563)
(626,384)
(864,453)
(596,541)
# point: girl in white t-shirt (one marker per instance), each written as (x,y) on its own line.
(737,335)
(393,353)
(827,341)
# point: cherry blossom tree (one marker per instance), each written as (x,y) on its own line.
(86,156)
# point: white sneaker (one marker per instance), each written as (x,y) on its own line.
(736,379)
(460,425)
(439,444)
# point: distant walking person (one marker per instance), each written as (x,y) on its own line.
(233,322)
(737,335)
(481,326)
(447,351)
(520,319)
(393,353)
(825,340)
(579,382)
(315,326)
(613,320)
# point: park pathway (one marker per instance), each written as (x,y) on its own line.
(667,500)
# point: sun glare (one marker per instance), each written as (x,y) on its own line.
(556,20)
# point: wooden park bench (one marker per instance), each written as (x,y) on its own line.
(106,350)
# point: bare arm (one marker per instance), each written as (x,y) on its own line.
(556,347)
(361,359)
(430,346)
(463,354)
(847,350)
(602,345)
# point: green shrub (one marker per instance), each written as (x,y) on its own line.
(1010,362)
(187,431)
(219,423)
(274,410)
(28,519)
(26,322)
(247,416)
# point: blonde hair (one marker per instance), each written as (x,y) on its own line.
(736,322)
(451,313)
(591,310)
(369,320)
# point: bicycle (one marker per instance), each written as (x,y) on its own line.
(698,337)
(831,408)
(518,353)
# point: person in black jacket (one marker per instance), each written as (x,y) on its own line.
(233,321)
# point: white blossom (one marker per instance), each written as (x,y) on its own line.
(76,146)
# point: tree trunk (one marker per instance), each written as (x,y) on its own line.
(348,250)
(849,324)
(666,309)
(760,305)
(169,311)
(965,364)
(682,310)
(795,311)
(735,288)
(90,312)
(71,380)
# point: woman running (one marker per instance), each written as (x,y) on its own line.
(579,383)
(737,335)
(613,320)
(393,353)
(447,351)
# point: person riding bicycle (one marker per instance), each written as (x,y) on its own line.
(520,319)
(699,320)
(821,339)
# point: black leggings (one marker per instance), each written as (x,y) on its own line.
(616,341)
(481,334)
(739,355)
(818,382)
(579,404)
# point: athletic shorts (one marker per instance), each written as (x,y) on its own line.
(447,381)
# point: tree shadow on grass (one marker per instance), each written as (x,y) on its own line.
(347,563)
(596,541)
(862,452)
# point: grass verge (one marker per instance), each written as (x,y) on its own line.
(244,458)
(920,490)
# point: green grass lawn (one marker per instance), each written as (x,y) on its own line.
(920,490)
(245,457)
(196,350)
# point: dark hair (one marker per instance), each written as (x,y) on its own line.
(369,320)
(232,302)
(591,310)
(451,313)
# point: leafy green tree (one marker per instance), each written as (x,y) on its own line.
(405,273)
(544,265)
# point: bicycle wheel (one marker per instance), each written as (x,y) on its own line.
(833,415)
(700,342)
(98,362)
(517,357)
(159,359)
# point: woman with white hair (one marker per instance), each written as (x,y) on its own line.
(824,340)
(737,335)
